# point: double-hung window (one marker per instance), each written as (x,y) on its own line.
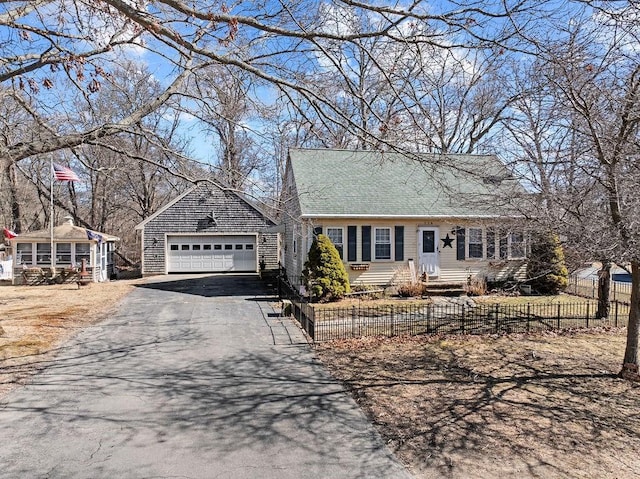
(512,245)
(83,252)
(382,243)
(63,253)
(335,235)
(24,253)
(43,254)
(490,244)
(475,243)
(516,246)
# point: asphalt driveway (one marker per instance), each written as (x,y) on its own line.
(194,377)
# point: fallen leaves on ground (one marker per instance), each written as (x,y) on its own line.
(527,406)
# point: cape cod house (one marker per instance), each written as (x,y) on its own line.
(437,216)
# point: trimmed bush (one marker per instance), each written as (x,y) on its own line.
(546,270)
(324,272)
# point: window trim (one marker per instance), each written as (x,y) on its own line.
(375,243)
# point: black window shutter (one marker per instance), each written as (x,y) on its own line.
(399,243)
(352,243)
(460,246)
(317,230)
(504,245)
(366,243)
(491,243)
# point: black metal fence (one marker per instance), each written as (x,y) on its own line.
(446,317)
(452,318)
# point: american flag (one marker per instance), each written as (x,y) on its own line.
(8,233)
(62,173)
(92,235)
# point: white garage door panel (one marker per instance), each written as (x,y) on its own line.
(191,254)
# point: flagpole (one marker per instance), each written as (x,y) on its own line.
(53,256)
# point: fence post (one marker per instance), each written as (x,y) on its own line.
(528,317)
(614,290)
(497,313)
(392,321)
(616,308)
(462,326)
(588,314)
(558,315)
(353,321)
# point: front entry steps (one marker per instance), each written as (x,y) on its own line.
(445,288)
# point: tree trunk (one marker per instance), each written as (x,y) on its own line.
(16,213)
(604,287)
(630,364)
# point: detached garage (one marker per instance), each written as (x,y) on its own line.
(208,230)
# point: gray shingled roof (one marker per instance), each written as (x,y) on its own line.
(372,183)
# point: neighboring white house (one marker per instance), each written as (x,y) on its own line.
(386,213)
(72,244)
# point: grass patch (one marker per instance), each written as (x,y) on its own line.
(523,300)
(529,406)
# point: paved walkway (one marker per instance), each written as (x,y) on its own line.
(194,377)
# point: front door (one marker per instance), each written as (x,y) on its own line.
(429,263)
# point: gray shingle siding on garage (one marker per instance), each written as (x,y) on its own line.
(189,215)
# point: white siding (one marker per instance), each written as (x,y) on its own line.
(386,272)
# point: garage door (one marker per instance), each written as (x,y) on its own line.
(203,254)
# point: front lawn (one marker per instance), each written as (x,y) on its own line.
(520,300)
(529,406)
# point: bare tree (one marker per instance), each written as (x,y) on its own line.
(585,118)
(54,47)
(125,177)
(225,98)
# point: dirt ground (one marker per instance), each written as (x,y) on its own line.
(539,406)
(35,320)
(543,406)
